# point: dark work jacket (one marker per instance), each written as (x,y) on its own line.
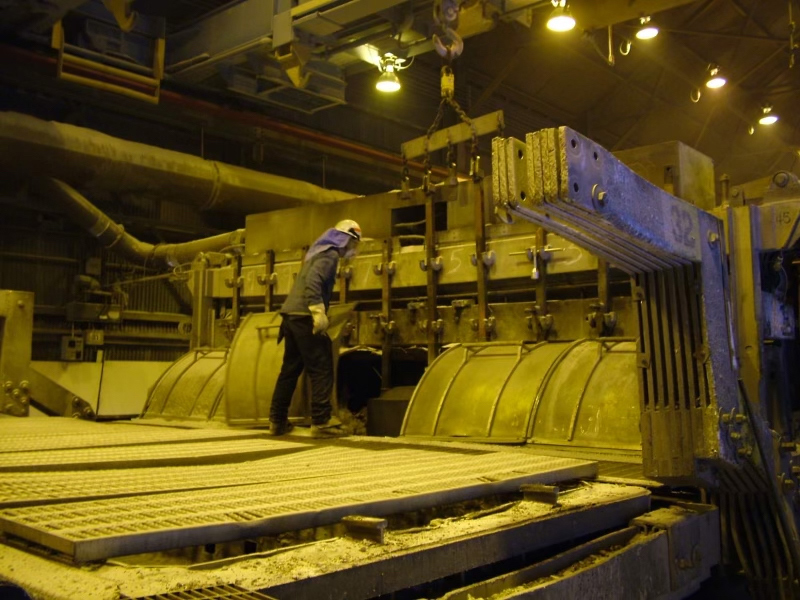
(314,283)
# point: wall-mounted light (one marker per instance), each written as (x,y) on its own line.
(647,30)
(389,65)
(715,78)
(560,19)
(767,116)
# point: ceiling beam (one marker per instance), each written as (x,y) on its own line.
(501,76)
(720,34)
(642,117)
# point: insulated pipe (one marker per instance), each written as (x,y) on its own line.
(113,235)
(95,161)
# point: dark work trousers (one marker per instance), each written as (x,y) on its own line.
(304,349)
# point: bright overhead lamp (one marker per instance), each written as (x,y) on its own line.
(647,30)
(767,116)
(560,19)
(389,65)
(715,78)
(388,82)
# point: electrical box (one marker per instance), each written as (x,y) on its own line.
(71,348)
(95,337)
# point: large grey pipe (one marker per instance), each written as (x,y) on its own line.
(96,162)
(113,235)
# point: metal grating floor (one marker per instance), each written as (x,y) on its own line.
(217,592)
(141,456)
(367,483)
(23,489)
(110,435)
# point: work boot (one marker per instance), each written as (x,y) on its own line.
(330,429)
(281,428)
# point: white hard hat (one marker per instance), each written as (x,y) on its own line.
(349,227)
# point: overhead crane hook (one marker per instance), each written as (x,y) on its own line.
(449,45)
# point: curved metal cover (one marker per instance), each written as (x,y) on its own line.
(582,393)
(191,388)
(255,362)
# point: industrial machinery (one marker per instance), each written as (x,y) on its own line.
(613,318)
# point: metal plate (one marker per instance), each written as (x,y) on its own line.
(101,529)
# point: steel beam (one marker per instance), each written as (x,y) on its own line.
(427,563)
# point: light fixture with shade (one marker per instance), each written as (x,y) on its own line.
(389,65)
(560,19)
(715,78)
(767,116)
(647,30)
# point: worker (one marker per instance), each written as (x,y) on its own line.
(304,326)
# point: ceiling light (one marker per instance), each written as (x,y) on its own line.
(560,19)
(647,30)
(767,116)
(715,78)
(388,82)
(389,65)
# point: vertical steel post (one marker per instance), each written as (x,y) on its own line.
(386,311)
(269,270)
(476,191)
(431,287)
(603,292)
(541,264)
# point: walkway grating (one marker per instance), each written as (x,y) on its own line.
(143,456)
(25,489)
(113,435)
(321,490)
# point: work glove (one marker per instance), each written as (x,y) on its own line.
(320,318)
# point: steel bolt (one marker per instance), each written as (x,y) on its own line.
(8,385)
(736,436)
(781,179)
(745,452)
(713,238)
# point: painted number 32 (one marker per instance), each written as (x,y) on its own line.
(681,226)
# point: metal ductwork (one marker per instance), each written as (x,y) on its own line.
(95,162)
(113,235)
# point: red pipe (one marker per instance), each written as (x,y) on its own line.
(244,117)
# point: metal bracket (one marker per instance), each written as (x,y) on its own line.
(537,492)
(488,258)
(383,323)
(344,272)
(436,326)
(264,280)
(535,254)
(365,528)
(489,322)
(378,269)
(437,265)
(231,282)
(17,398)
(459,306)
